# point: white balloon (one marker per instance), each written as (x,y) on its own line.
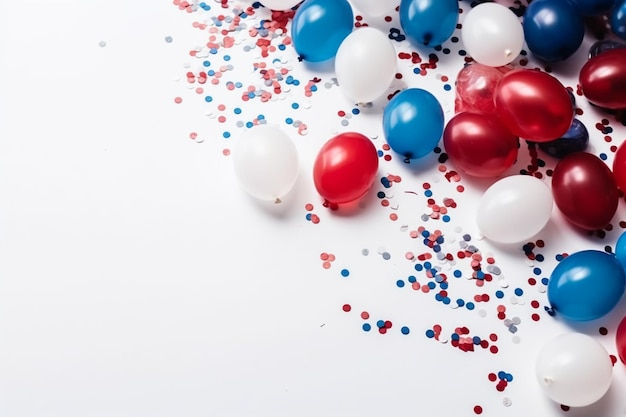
(279,4)
(365,64)
(492,34)
(266,162)
(574,370)
(375,7)
(514,209)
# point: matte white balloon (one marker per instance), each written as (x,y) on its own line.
(375,7)
(492,34)
(574,370)
(365,64)
(266,162)
(280,4)
(514,209)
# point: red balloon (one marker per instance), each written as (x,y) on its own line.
(475,84)
(533,105)
(479,144)
(345,168)
(584,190)
(619,167)
(603,79)
(620,340)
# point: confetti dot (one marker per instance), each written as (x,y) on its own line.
(345,273)
(102,44)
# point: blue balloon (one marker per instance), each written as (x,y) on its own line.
(553,30)
(575,139)
(428,22)
(586,285)
(620,249)
(592,7)
(606,45)
(617,20)
(319,27)
(413,123)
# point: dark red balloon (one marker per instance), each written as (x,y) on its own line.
(479,144)
(619,167)
(603,79)
(345,168)
(533,105)
(585,191)
(620,340)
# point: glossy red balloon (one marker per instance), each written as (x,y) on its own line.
(479,144)
(603,79)
(619,167)
(620,340)
(585,191)
(345,168)
(533,105)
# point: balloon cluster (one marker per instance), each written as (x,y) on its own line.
(497,105)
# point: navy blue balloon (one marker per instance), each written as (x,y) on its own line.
(605,45)
(413,123)
(319,27)
(620,249)
(553,29)
(428,22)
(617,19)
(575,139)
(592,7)
(586,285)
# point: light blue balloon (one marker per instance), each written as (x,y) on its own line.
(620,249)
(319,27)
(413,123)
(429,22)
(586,285)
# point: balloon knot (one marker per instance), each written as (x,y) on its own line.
(278,201)
(547,380)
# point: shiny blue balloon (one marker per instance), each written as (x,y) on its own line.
(620,249)
(413,123)
(428,22)
(319,27)
(592,7)
(575,139)
(553,30)
(586,285)
(617,19)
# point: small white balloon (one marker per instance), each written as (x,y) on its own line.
(266,162)
(492,34)
(375,7)
(514,209)
(365,64)
(280,4)
(574,370)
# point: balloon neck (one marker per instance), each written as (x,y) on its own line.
(278,201)
(548,380)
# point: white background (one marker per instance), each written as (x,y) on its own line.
(137,279)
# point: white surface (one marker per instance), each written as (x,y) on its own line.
(137,279)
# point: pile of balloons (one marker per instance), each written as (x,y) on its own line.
(497,105)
